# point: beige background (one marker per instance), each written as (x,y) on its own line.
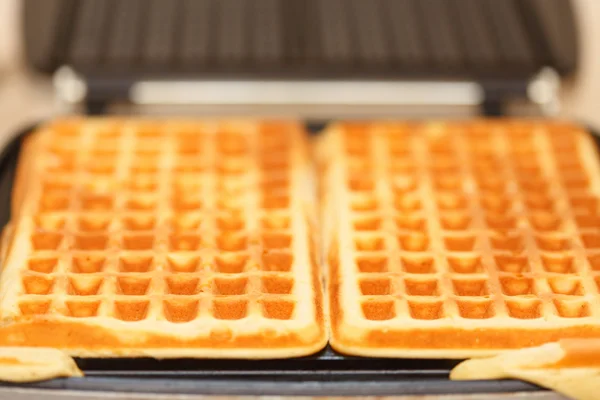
(25,98)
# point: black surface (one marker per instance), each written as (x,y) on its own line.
(399,39)
(326,373)
(274,385)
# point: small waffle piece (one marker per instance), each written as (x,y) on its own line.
(569,366)
(460,239)
(31,364)
(163,239)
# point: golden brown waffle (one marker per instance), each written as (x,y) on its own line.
(460,239)
(164,239)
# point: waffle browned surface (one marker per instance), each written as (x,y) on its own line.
(460,239)
(167,239)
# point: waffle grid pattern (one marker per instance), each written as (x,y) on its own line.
(456,229)
(189,230)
